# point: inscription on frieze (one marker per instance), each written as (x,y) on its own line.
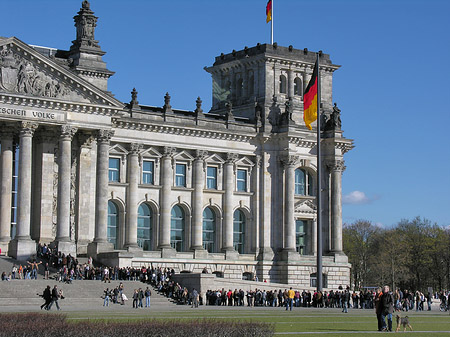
(31,114)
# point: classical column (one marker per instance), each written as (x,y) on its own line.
(228,202)
(65,244)
(6,138)
(290,84)
(289,162)
(166,188)
(336,168)
(101,243)
(197,200)
(22,246)
(132,199)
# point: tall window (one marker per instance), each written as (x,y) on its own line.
(239,87)
(209,230)
(113,222)
(300,236)
(303,182)
(147,172)
(239,231)
(241,180)
(283,86)
(144,227)
(180,175)
(298,86)
(251,83)
(177,228)
(114,169)
(211,177)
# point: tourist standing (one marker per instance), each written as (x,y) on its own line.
(387,301)
(148,294)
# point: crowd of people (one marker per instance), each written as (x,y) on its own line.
(68,269)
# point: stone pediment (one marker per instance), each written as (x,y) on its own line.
(215,159)
(245,161)
(305,207)
(151,152)
(26,72)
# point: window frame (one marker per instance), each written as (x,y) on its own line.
(183,176)
(151,173)
(212,178)
(301,249)
(238,189)
(112,171)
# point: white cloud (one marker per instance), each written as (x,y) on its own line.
(379,224)
(355,198)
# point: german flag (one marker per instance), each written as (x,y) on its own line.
(269,11)
(310,99)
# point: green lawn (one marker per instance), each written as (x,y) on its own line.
(301,321)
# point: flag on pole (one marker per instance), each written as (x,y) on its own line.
(269,11)
(310,99)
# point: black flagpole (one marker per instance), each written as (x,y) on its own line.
(319,187)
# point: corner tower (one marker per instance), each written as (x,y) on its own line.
(85,52)
(259,75)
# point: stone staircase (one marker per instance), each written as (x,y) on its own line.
(83,293)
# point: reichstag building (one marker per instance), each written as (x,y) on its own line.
(232,189)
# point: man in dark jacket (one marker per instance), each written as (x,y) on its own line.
(47,296)
(387,302)
(55,296)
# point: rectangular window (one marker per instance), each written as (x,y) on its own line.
(180,175)
(300,236)
(211,178)
(114,169)
(241,180)
(147,172)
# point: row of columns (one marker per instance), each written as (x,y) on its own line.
(290,162)
(23,246)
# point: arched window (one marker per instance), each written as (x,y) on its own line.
(298,89)
(177,228)
(209,230)
(303,182)
(113,223)
(283,87)
(144,227)
(239,231)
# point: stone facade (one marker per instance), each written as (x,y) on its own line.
(232,190)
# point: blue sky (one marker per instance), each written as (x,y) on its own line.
(392,87)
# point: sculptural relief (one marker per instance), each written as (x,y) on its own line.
(19,75)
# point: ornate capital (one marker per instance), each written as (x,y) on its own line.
(258,161)
(289,160)
(169,151)
(135,148)
(27,129)
(67,132)
(335,165)
(231,158)
(104,135)
(201,154)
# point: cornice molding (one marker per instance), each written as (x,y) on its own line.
(181,131)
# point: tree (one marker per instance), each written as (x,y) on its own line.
(358,241)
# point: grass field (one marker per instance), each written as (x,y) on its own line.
(301,321)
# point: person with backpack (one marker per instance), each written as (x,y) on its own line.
(148,294)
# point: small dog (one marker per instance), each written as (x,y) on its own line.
(403,321)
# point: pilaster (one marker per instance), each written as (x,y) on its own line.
(228,204)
